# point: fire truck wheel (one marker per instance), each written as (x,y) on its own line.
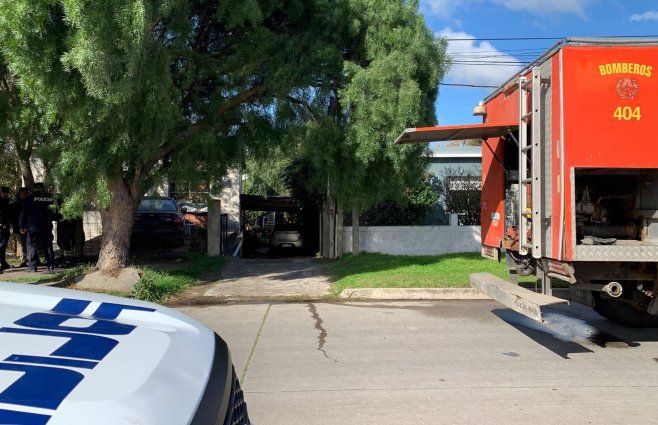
(623,313)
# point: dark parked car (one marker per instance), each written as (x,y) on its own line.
(158,222)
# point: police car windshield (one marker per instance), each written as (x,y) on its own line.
(165,205)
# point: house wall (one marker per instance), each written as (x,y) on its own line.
(438,166)
(414,240)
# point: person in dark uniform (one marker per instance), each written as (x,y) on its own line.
(37,222)
(5,221)
(20,239)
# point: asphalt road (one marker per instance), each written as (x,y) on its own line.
(449,362)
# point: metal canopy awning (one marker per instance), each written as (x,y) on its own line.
(268,203)
(456,132)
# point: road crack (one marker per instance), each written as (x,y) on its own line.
(322,337)
(253,347)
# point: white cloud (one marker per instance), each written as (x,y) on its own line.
(542,7)
(472,51)
(649,15)
(441,8)
(446,8)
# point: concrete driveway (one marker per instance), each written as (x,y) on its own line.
(298,277)
(447,362)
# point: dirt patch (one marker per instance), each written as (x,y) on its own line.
(122,280)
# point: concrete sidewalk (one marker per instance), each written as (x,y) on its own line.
(293,278)
(443,362)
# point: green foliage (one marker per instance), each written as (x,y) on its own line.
(9,172)
(265,176)
(147,88)
(412,209)
(23,126)
(158,286)
(422,197)
(389,81)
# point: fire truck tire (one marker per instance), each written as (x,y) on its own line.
(623,313)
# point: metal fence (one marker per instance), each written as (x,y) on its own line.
(194,231)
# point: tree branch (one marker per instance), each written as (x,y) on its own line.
(183,136)
(315,114)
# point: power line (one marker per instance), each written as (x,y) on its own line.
(504,38)
(488,55)
(534,49)
(468,85)
(542,38)
(465,61)
(491,64)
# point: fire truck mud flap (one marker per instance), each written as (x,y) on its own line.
(515,297)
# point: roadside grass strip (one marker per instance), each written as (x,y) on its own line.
(388,271)
(157,286)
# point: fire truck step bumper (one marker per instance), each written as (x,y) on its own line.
(519,299)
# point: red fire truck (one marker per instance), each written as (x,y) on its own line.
(570,178)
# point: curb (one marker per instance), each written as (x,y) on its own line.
(206,300)
(396,294)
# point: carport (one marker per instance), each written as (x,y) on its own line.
(308,216)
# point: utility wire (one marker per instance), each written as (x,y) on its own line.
(462,61)
(542,38)
(468,85)
(491,64)
(501,50)
(504,38)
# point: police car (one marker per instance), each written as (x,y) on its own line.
(70,357)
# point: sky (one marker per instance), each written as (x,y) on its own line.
(474,20)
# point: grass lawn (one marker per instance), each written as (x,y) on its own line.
(387,271)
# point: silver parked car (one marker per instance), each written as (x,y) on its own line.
(286,236)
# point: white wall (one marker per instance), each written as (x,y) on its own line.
(415,240)
(230,197)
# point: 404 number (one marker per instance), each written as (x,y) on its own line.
(627,113)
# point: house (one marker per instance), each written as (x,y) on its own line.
(458,168)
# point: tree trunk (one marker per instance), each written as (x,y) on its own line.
(339,231)
(324,242)
(117,221)
(356,243)
(26,170)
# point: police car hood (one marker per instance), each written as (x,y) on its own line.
(70,357)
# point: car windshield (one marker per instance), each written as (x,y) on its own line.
(165,205)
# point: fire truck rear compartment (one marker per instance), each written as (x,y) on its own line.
(616,206)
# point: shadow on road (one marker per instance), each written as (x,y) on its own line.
(571,329)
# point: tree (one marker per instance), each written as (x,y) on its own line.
(390,77)
(419,201)
(23,127)
(145,88)
(265,176)
(8,165)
